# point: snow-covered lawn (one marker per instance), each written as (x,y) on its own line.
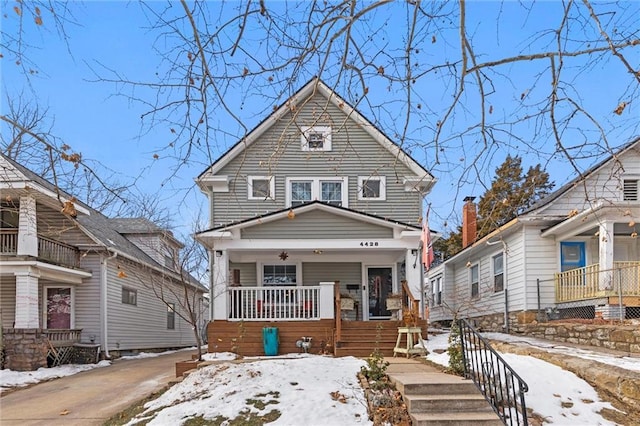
(559,396)
(312,389)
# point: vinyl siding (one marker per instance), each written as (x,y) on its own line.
(247,273)
(603,186)
(143,326)
(87,300)
(150,244)
(54,225)
(316,225)
(8,299)
(278,153)
(542,263)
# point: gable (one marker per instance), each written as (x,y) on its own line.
(316,224)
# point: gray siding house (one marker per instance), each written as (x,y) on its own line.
(573,254)
(314,205)
(71,277)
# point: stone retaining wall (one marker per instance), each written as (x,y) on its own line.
(622,338)
(24,349)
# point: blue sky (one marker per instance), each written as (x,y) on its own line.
(90,116)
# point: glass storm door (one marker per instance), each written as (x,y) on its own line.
(380,285)
(59,307)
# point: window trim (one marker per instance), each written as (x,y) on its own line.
(326,133)
(493,271)
(272,187)
(260,273)
(171,316)
(130,291)
(316,187)
(477,282)
(383,188)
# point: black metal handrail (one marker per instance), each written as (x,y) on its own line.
(501,386)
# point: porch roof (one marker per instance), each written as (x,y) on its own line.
(587,222)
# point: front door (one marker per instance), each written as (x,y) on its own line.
(58,307)
(572,255)
(379,286)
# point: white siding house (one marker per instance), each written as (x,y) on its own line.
(574,253)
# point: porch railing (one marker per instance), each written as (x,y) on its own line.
(274,303)
(501,386)
(48,249)
(590,282)
(63,337)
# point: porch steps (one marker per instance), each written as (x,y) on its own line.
(361,338)
(434,398)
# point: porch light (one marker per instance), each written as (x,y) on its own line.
(218,253)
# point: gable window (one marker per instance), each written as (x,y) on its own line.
(630,190)
(129,296)
(261,188)
(171,316)
(474,278)
(498,272)
(316,138)
(372,188)
(330,190)
(279,275)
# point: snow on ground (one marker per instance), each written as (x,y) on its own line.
(15,379)
(304,389)
(559,396)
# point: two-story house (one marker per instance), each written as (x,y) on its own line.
(575,254)
(313,206)
(73,278)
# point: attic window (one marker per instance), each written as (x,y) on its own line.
(261,188)
(630,190)
(316,138)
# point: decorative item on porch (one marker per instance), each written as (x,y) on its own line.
(346,303)
(394,302)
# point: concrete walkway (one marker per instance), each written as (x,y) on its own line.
(90,397)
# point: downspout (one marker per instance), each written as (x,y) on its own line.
(104,328)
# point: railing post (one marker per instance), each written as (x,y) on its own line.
(338,311)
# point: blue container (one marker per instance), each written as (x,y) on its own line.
(270,340)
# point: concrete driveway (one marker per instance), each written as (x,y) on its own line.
(90,397)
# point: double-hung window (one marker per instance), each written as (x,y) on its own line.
(316,138)
(329,190)
(278,275)
(498,272)
(474,278)
(129,296)
(171,316)
(436,289)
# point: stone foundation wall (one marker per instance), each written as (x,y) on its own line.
(24,349)
(617,337)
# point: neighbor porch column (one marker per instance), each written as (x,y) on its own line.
(605,244)
(219,283)
(27,299)
(27,228)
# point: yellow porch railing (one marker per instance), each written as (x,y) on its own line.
(590,282)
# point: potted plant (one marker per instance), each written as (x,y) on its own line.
(346,302)
(394,302)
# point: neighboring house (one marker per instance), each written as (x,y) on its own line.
(70,275)
(314,196)
(573,254)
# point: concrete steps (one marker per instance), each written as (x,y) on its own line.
(434,398)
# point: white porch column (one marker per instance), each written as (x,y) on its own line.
(27,228)
(413,274)
(605,244)
(27,299)
(327,304)
(219,283)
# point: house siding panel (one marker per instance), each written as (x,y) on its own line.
(316,225)
(52,224)
(347,273)
(247,273)
(87,300)
(7,299)
(354,153)
(149,315)
(542,263)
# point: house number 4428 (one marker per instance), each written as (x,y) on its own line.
(368,244)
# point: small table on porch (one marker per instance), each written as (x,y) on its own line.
(410,349)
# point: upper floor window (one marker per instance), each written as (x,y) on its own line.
(329,190)
(498,272)
(630,190)
(316,138)
(372,188)
(261,187)
(9,216)
(474,278)
(129,296)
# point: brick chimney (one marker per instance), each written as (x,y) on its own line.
(469,225)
